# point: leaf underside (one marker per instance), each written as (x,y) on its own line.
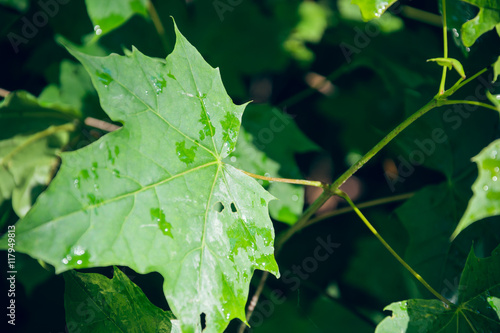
(155,195)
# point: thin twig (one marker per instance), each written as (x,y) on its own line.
(286,180)
(391,250)
(101,124)
(255,300)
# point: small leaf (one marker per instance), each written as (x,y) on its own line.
(475,312)
(371,9)
(450,63)
(484,21)
(107,16)
(94,303)
(486,199)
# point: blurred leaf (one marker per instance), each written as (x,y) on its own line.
(268,146)
(475,312)
(450,63)
(485,21)
(107,16)
(458,13)
(371,9)
(155,195)
(28,158)
(20,5)
(94,303)
(486,199)
(34,274)
(312,24)
(324,315)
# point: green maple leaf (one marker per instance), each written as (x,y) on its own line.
(155,195)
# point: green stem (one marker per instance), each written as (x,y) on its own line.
(367,204)
(484,105)
(286,180)
(461,83)
(445,42)
(70,127)
(390,249)
(159,26)
(356,166)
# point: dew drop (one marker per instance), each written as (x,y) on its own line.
(295,197)
(494,178)
(455,32)
(233,159)
(497,169)
(485,187)
(97,30)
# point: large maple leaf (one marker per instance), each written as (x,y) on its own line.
(155,195)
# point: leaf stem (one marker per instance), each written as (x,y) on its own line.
(398,129)
(368,204)
(390,249)
(159,26)
(484,105)
(70,127)
(286,180)
(445,42)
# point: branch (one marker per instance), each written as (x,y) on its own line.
(286,180)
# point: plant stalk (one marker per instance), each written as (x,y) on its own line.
(356,166)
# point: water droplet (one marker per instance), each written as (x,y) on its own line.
(497,169)
(455,32)
(147,92)
(96,187)
(233,159)
(97,30)
(295,197)
(76,182)
(485,187)
(494,178)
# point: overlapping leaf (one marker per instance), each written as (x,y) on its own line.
(94,303)
(155,195)
(31,137)
(476,311)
